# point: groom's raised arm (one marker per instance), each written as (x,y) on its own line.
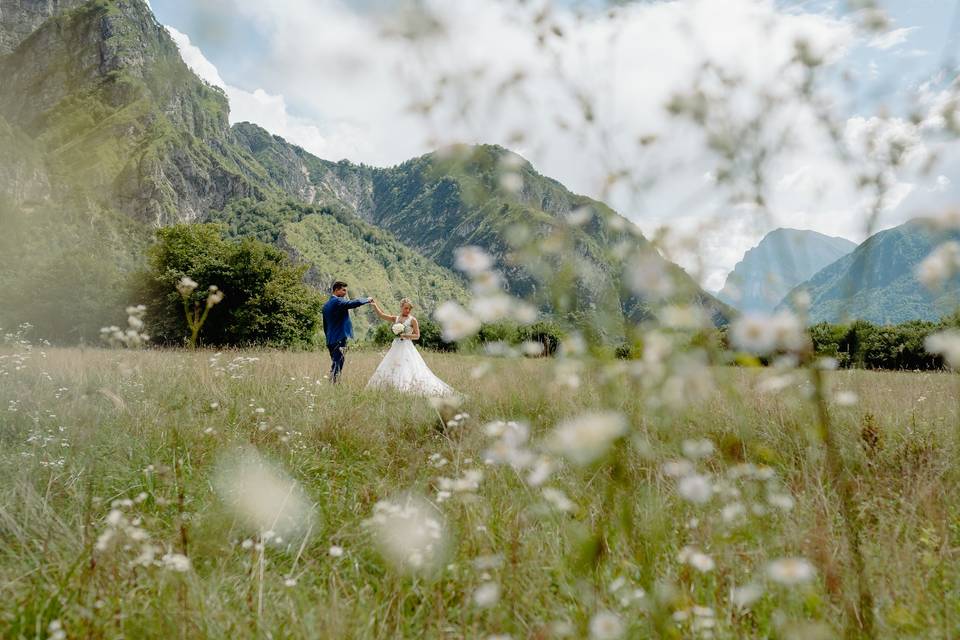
(359,302)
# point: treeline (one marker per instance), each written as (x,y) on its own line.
(864,345)
(539,338)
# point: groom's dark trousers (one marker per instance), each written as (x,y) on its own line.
(338,328)
(337,357)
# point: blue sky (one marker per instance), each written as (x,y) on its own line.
(322,74)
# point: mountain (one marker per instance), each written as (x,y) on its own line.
(106,135)
(487,196)
(783,259)
(877,281)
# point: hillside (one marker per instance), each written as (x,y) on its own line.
(487,196)
(106,135)
(783,259)
(877,281)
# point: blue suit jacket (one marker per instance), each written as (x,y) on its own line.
(336,318)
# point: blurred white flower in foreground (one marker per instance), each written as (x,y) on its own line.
(743,597)
(176,562)
(457,323)
(409,532)
(472,260)
(763,334)
(696,559)
(261,494)
(606,625)
(695,488)
(558,499)
(946,344)
(587,437)
(486,595)
(790,571)
(941,265)
(694,449)
(647,275)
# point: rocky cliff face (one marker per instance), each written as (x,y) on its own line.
(781,261)
(102,91)
(306,177)
(20,18)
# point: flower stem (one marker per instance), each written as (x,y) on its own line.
(845,489)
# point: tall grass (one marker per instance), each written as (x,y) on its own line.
(86,432)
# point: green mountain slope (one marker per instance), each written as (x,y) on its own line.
(486,196)
(877,281)
(783,259)
(339,245)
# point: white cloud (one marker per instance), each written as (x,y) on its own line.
(892,38)
(365,92)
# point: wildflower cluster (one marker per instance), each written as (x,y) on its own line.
(132,336)
(410,533)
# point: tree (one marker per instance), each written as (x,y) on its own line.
(265,299)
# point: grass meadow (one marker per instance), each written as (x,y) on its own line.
(107,455)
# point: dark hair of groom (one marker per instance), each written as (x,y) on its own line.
(338,285)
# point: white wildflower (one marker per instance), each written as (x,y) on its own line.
(335,551)
(176,562)
(558,499)
(491,308)
(695,488)
(486,595)
(606,625)
(677,468)
(55,630)
(781,501)
(262,495)
(472,260)
(410,533)
(945,344)
(647,275)
(732,512)
(743,597)
(587,437)
(696,559)
(941,265)
(186,286)
(456,322)
(790,571)
(694,449)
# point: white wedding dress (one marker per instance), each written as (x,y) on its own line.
(404,369)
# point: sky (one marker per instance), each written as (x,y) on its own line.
(582,92)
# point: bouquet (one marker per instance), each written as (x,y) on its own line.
(397,328)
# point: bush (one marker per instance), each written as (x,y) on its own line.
(266,301)
(548,334)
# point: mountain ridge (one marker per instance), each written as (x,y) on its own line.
(877,281)
(783,258)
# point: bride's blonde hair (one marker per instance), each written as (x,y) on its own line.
(404,301)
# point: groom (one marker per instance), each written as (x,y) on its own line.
(337,326)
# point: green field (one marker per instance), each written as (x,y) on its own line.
(149,436)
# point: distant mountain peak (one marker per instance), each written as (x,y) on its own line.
(783,259)
(877,281)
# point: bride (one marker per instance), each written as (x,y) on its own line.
(403,367)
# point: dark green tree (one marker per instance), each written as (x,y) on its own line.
(265,303)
